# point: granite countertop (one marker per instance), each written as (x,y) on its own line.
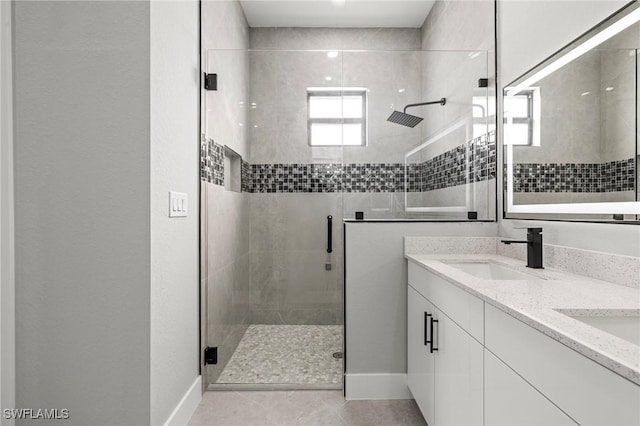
(540,303)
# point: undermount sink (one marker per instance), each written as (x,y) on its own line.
(623,325)
(487,270)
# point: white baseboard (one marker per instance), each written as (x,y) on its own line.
(187,405)
(376,386)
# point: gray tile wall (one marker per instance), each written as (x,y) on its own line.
(278,107)
(225,214)
(226,239)
(459,25)
(289,283)
(335,38)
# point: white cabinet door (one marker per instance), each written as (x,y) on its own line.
(459,375)
(510,401)
(588,392)
(420,361)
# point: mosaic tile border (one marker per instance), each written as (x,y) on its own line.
(449,169)
(443,171)
(614,176)
(211,161)
(246,177)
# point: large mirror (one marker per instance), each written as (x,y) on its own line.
(570,129)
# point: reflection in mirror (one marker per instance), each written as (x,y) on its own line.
(429,173)
(570,129)
(444,174)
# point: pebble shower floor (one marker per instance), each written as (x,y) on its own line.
(286,354)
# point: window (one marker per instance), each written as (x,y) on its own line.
(522,118)
(337,116)
(483,110)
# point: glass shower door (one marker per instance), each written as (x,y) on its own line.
(225,254)
(275,309)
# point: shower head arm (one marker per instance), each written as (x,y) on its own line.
(442,101)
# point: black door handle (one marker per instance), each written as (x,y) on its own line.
(329,233)
(432,349)
(426,336)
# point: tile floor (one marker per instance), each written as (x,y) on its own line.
(289,354)
(326,408)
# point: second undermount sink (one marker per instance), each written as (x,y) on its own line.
(625,325)
(488,270)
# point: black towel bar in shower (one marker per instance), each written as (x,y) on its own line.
(329,233)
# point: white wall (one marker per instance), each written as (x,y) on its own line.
(106,123)
(521,45)
(7,278)
(82,209)
(174,241)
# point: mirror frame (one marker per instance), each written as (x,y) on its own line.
(608,28)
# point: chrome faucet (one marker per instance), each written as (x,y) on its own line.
(534,247)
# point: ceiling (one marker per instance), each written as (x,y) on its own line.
(337,13)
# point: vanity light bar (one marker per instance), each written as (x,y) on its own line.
(579,50)
(622,207)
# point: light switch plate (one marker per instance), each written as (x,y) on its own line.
(178,204)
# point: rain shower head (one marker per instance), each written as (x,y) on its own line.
(411,120)
(404,119)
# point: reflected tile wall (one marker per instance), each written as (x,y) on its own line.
(615,176)
(570,115)
(573,197)
(618,97)
(588,111)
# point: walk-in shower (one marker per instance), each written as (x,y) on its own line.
(293,137)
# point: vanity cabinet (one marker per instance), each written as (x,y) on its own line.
(420,360)
(445,373)
(586,391)
(489,368)
(458,375)
(510,401)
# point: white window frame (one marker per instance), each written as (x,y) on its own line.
(338,119)
(532,119)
